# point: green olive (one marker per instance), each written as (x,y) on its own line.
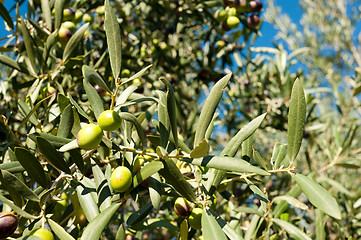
(121,179)
(109,120)
(88,18)
(44,234)
(90,136)
(195,218)
(182,207)
(233,21)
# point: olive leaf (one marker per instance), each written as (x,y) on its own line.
(296,119)
(291,229)
(211,228)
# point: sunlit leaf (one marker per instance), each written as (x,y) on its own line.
(147,171)
(60,232)
(318,196)
(296,119)
(90,74)
(94,98)
(74,41)
(210,227)
(66,122)
(201,150)
(291,229)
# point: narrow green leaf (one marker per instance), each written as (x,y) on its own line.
(77,158)
(86,200)
(336,185)
(54,140)
(139,74)
(201,150)
(278,155)
(172,174)
(63,102)
(80,110)
(59,231)
(27,112)
(249,210)
(296,119)
(58,7)
(259,160)
(103,190)
(90,74)
(17,209)
(209,108)
(251,230)
(230,232)
(259,194)
(45,7)
(291,229)
(32,166)
(155,190)
(121,235)
(147,171)
(139,215)
(66,122)
(94,98)
(183,231)
(131,118)
(283,205)
(29,45)
(320,225)
(247,149)
(12,167)
(6,16)
(114,42)
(95,227)
(171,109)
(20,187)
(52,154)
(13,64)
(318,196)
(210,227)
(227,164)
(74,41)
(292,201)
(234,144)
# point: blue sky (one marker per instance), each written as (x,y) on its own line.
(291,7)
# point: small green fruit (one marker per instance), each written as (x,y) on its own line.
(232,11)
(64,35)
(195,218)
(138,163)
(109,120)
(182,207)
(78,16)
(68,14)
(221,44)
(100,10)
(121,179)
(125,73)
(44,234)
(233,21)
(90,136)
(221,15)
(87,18)
(69,25)
(8,224)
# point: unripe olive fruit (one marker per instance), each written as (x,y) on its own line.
(87,18)
(220,43)
(64,35)
(69,25)
(125,73)
(78,16)
(8,224)
(68,14)
(221,15)
(90,136)
(100,10)
(44,234)
(49,91)
(121,179)
(109,120)
(138,163)
(182,207)
(233,21)
(253,20)
(232,11)
(195,218)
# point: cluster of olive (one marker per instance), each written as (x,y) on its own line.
(229,17)
(185,209)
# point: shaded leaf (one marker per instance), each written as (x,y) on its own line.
(20,187)
(296,119)
(278,155)
(45,7)
(58,7)
(6,16)
(86,200)
(155,190)
(12,63)
(292,201)
(114,42)
(17,209)
(131,118)
(74,41)
(54,140)
(66,122)
(32,166)
(12,167)
(320,225)
(29,45)
(318,196)
(230,232)
(94,98)
(103,190)
(139,215)
(90,74)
